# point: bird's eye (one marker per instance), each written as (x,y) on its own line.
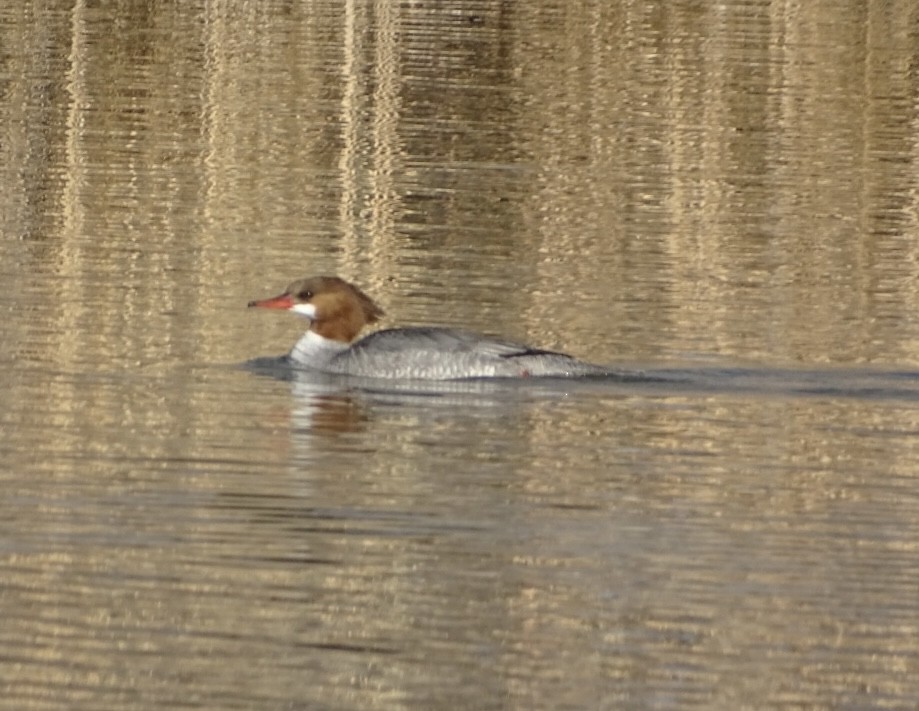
(305,295)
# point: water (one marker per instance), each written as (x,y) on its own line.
(717,200)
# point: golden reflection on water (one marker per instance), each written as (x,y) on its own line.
(632,182)
(712,172)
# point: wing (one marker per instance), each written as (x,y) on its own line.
(444,340)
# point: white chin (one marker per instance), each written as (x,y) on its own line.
(305,310)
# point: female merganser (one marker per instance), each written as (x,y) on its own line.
(337,311)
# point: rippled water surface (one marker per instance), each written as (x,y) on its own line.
(719,200)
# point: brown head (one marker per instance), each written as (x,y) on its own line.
(336,309)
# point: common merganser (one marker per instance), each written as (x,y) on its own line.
(338,310)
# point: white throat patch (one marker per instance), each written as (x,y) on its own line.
(305,310)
